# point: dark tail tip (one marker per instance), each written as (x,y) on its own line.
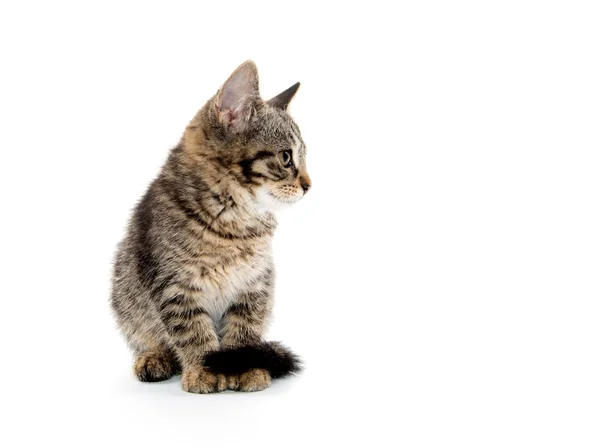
(274,357)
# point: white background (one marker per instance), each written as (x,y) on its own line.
(440,280)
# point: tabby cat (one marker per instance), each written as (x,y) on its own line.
(194,277)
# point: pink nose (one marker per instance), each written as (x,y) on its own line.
(305,183)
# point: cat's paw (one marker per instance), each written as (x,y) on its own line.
(155,366)
(253,380)
(233,382)
(199,380)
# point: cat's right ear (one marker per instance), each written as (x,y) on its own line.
(282,100)
(238,96)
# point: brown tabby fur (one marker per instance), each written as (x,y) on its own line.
(194,272)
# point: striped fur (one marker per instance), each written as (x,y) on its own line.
(194,272)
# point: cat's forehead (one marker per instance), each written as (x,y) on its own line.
(280,129)
(298,147)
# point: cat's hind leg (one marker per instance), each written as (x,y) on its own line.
(152,365)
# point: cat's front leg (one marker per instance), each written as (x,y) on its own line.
(244,323)
(192,333)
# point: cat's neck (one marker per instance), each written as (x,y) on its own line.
(215,197)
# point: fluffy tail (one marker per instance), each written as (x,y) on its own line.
(275,358)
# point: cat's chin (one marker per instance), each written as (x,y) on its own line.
(268,202)
(272,206)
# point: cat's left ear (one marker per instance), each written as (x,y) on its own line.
(238,96)
(282,100)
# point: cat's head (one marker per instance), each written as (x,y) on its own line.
(256,142)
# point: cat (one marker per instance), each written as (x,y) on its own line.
(194,276)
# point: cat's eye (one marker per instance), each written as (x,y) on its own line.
(285,157)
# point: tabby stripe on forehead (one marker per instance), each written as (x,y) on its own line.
(262,155)
(296,132)
(290,135)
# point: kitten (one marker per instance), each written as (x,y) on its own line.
(194,276)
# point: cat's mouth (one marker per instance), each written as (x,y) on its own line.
(284,199)
(268,199)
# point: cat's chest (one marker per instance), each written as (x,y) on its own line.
(223,273)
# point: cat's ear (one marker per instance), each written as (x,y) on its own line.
(238,96)
(282,100)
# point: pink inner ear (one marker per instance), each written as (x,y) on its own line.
(234,91)
(231,114)
(238,94)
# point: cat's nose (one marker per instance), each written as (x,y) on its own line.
(305,183)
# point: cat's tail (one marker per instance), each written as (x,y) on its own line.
(274,357)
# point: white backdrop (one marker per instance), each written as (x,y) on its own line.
(440,280)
